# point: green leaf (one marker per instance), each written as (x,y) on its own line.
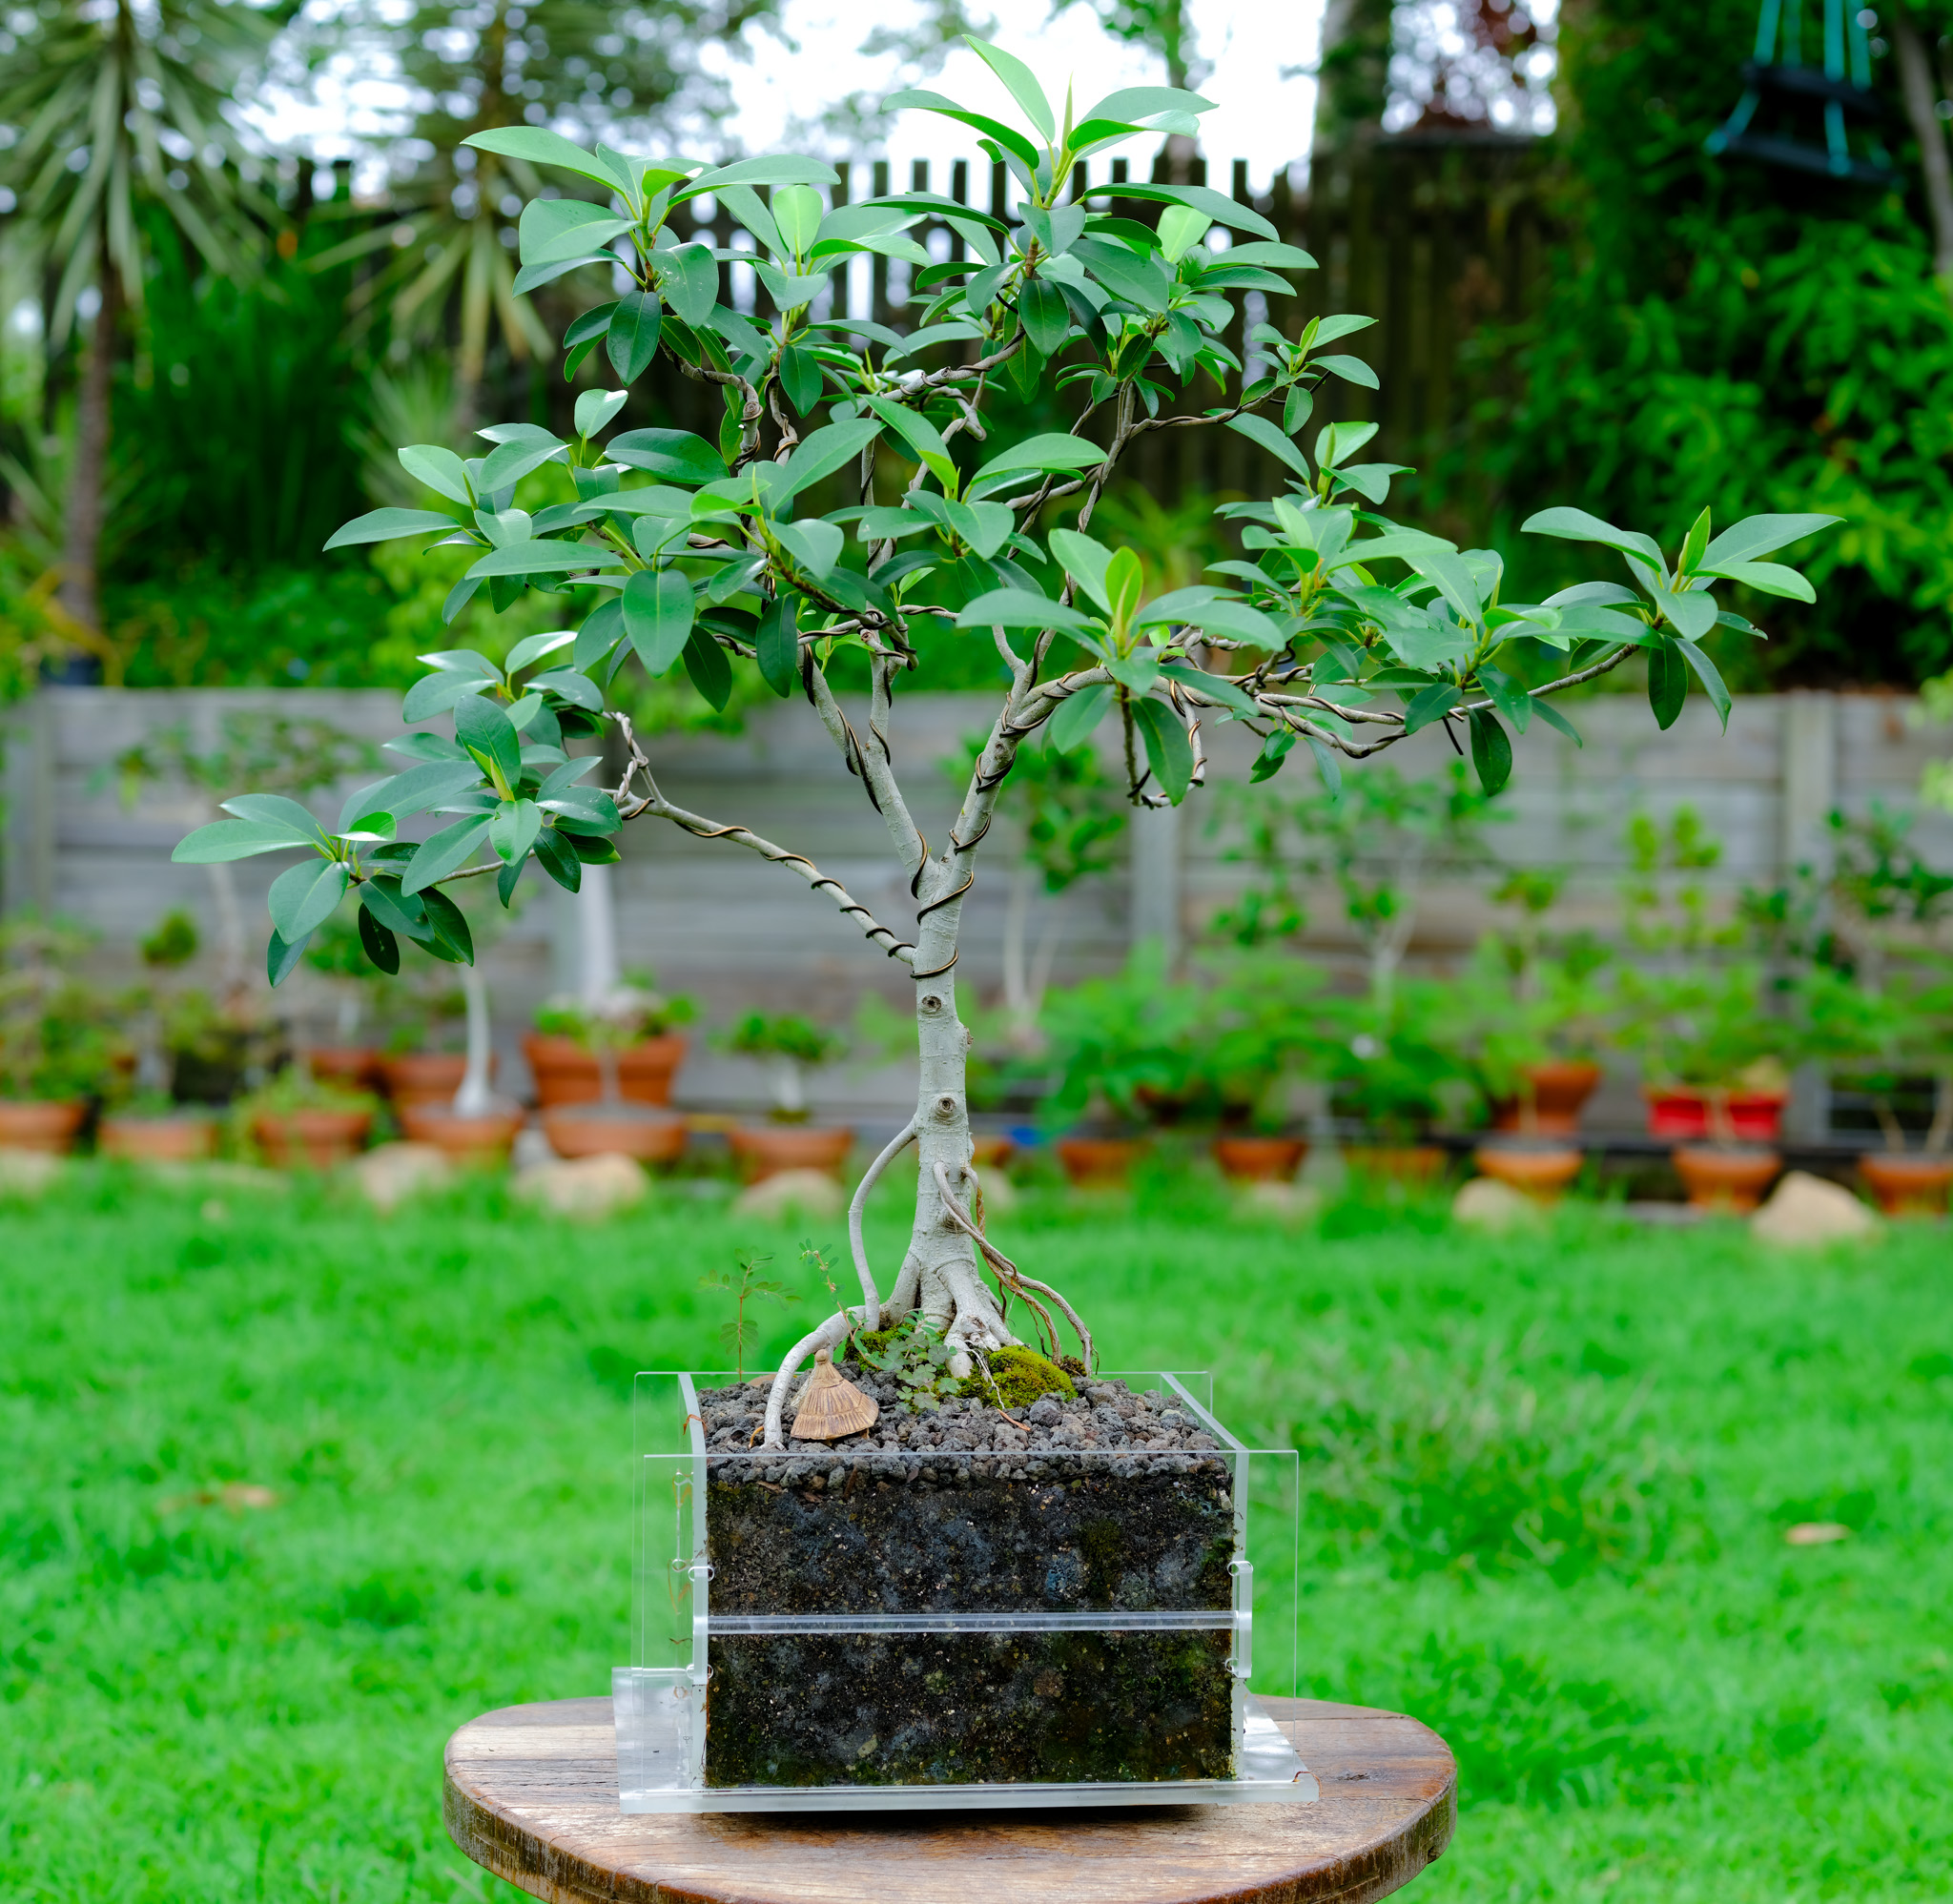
(1429,705)
(237,839)
(1085,562)
(532,276)
(1770,578)
(1142,102)
(923,439)
(800,378)
(280,958)
(1762,535)
(532,648)
(540,146)
(1554,718)
(1077,718)
(438,693)
(1008,137)
(760,171)
(676,454)
(1667,684)
(657,616)
(600,634)
(595,408)
(303,897)
(508,464)
(1268,762)
(385,526)
(1711,680)
(779,645)
(447,851)
(631,342)
(485,729)
(1045,315)
(544,558)
(440,470)
(1169,753)
(1223,209)
(512,831)
(829,448)
(420,788)
(1576,525)
(688,281)
(275,809)
(1259,430)
(555,857)
(1692,613)
(1330,768)
(554,229)
(815,545)
(1021,82)
(1350,369)
(380,947)
(1020,608)
(1491,750)
(712,674)
(1049,451)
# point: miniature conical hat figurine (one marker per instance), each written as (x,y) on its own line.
(831,1405)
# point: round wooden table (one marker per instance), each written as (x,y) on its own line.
(531,1793)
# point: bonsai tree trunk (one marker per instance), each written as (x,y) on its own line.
(82,540)
(474,1099)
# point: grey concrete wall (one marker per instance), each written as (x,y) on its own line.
(713,921)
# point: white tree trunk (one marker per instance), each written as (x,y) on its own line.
(475,1100)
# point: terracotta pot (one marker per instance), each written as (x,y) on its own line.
(1907,1184)
(993,1151)
(425,1078)
(1260,1159)
(1099,1163)
(566,1073)
(354,1067)
(1754,1117)
(765,1150)
(604,1131)
(486,1140)
(1414,1164)
(1560,1091)
(1730,1181)
(156,1139)
(34,1124)
(316,1140)
(1542,1172)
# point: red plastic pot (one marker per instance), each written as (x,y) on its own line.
(428,1079)
(1754,1117)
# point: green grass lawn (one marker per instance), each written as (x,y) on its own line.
(1545,1484)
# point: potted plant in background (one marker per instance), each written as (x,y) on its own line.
(360,991)
(56,1049)
(1393,1069)
(1882,1042)
(141,1122)
(723,560)
(1123,1049)
(1263,1038)
(298,1121)
(789,1047)
(625,1023)
(1708,1036)
(623,1045)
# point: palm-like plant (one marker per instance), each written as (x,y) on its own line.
(574,64)
(113,107)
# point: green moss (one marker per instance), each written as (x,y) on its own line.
(1020,1376)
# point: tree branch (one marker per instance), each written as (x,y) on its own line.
(658,806)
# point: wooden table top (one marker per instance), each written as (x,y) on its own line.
(531,1793)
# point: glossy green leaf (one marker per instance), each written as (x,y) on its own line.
(1169,752)
(631,342)
(385,526)
(378,943)
(484,728)
(542,147)
(1077,718)
(447,851)
(760,171)
(546,558)
(1768,577)
(779,645)
(237,839)
(1712,681)
(1020,608)
(553,854)
(1020,81)
(507,463)
(1085,561)
(440,470)
(688,281)
(303,897)
(1667,684)
(711,673)
(1259,430)
(814,545)
(1491,750)
(657,609)
(1762,535)
(828,449)
(1576,525)
(512,831)
(1429,705)
(674,454)
(801,378)
(281,957)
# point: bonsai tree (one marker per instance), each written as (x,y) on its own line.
(613,1021)
(1710,1030)
(57,1040)
(1338,635)
(790,1046)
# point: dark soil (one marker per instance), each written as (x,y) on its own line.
(961,1512)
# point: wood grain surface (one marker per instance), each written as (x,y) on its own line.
(531,1794)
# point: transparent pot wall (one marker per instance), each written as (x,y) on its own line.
(873,1627)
